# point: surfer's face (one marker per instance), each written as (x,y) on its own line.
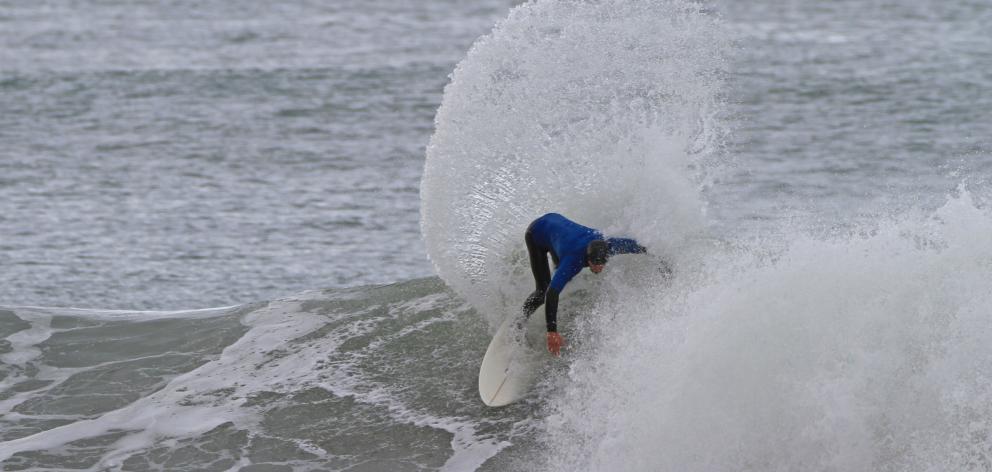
(597,268)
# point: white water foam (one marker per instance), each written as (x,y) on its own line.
(596,110)
(867,351)
(182,408)
(217,392)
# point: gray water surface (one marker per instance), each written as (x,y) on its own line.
(183,155)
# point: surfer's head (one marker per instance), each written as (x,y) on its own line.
(596,255)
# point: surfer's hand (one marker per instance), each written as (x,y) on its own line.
(555,342)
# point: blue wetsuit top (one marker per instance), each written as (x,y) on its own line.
(566,240)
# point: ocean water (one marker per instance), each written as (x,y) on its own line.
(262,237)
(166,155)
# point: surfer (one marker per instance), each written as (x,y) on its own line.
(572,247)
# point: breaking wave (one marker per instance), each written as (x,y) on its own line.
(601,111)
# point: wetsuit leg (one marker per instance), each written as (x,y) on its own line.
(542,274)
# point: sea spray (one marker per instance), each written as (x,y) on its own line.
(868,351)
(597,110)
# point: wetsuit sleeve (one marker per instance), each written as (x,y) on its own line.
(624,246)
(569,267)
(551,309)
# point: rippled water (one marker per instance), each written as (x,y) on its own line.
(847,107)
(200,154)
(182,155)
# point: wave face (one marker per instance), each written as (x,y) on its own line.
(790,350)
(373,378)
(861,351)
(596,110)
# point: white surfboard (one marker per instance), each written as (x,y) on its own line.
(513,360)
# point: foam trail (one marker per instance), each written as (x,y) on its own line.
(174,411)
(596,110)
(318,355)
(867,351)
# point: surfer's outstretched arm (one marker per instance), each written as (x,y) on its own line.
(631,246)
(555,341)
(570,266)
(624,246)
(551,309)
